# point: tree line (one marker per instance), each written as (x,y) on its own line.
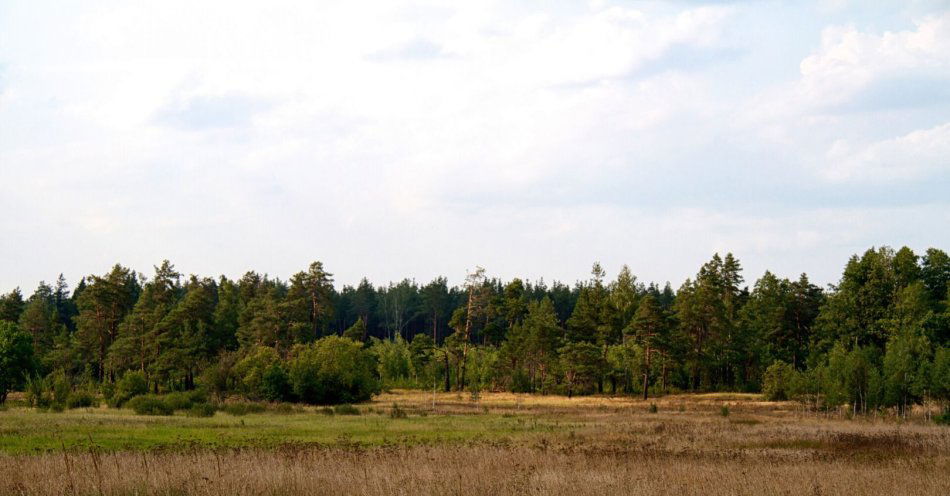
(878,338)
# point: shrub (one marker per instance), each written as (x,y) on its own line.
(201,410)
(60,386)
(275,385)
(108,391)
(81,399)
(284,408)
(240,409)
(346,409)
(333,370)
(396,412)
(777,381)
(184,400)
(943,418)
(36,392)
(251,370)
(220,378)
(131,384)
(149,405)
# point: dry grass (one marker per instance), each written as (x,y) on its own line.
(601,446)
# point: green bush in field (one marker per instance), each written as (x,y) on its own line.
(239,409)
(275,384)
(397,413)
(184,400)
(81,399)
(149,405)
(777,383)
(346,409)
(37,394)
(333,370)
(60,386)
(251,370)
(131,384)
(201,410)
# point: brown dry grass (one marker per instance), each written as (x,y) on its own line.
(601,446)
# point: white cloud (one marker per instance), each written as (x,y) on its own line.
(416,138)
(902,158)
(850,60)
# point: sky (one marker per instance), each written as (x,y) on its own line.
(414,139)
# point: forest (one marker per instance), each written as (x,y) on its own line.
(878,339)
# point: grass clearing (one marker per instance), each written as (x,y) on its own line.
(407,442)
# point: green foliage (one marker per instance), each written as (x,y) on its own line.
(81,399)
(357,331)
(16,358)
(581,363)
(184,400)
(905,370)
(333,370)
(275,384)
(394,362)
(397,413)
(940,375)
(37,392)
(149,405)
(878,338)
(778,381)
(132,384)
(251,370)
(201,410)
(346,409)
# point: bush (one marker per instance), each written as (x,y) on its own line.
(201,410)
(275,385)
(36,393)
(333,370)
(61,387)
(241,409)
(131,384)
(81,399)
(777,381)
(108,391)
(346,410)
(184,400)
(149,405)
(397,413)
(943,418)
(284,409)
(252,369)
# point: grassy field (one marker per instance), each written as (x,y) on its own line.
(499,444)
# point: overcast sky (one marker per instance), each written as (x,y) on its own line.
(413,139)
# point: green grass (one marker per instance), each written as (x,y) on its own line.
(26,431)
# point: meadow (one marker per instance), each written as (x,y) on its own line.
(412,442)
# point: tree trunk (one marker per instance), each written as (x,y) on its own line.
(646,376)
(448,382)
